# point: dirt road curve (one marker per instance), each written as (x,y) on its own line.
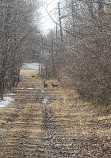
(51,123)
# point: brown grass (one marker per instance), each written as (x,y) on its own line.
(65,127)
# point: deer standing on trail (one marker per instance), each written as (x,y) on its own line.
(45,84)
(54,85)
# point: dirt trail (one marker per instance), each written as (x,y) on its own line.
(51,123)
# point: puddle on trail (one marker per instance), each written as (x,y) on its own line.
(45,100)
(31,66)
(31,91)
(11,94)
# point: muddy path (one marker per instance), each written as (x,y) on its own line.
(51,123)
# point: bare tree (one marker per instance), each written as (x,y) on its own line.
(84,60)
(16,28)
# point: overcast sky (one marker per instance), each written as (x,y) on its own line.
(46,23)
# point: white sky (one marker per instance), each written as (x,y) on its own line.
(46,23)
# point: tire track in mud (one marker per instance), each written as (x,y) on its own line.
(48,131)
(51,137)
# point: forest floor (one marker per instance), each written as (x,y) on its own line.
(51,123)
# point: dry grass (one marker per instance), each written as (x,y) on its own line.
(65,127)
(82,123)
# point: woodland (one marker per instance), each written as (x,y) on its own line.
(77,52)
(55,85)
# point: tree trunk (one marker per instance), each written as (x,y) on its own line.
(1,90)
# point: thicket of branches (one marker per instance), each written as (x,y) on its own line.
(17,39)
(83,59)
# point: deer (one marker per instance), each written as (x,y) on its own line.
(54,85)
(45,84)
